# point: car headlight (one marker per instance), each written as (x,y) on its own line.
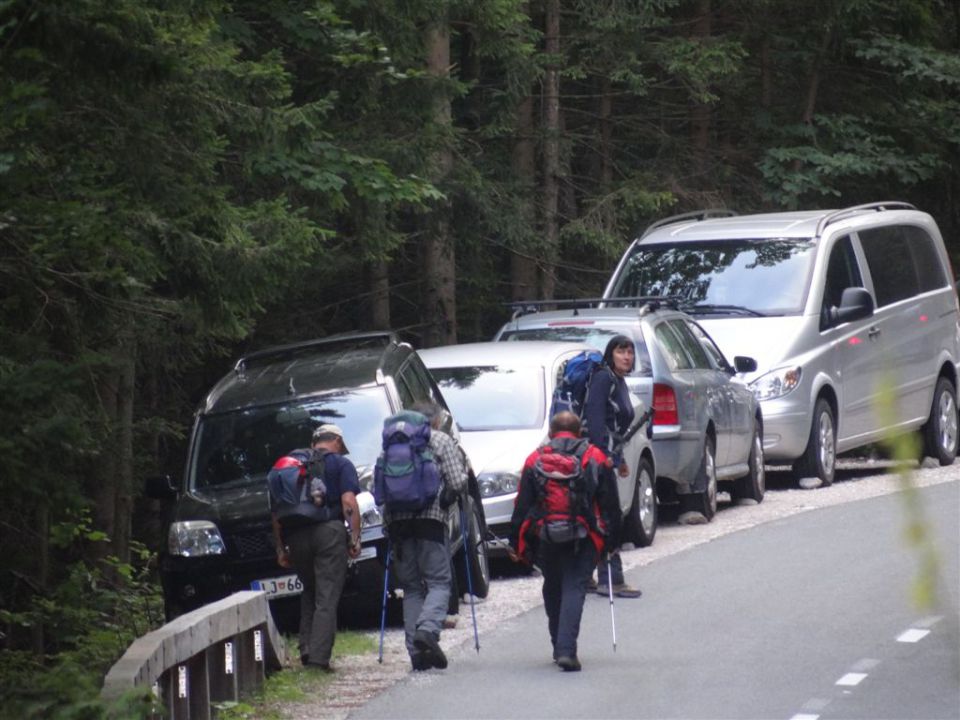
(369,513)
(193,538)
(776,384)
(497,483)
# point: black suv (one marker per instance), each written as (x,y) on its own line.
(219,538)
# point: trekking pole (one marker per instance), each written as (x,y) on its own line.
(383,609)
(466,561)
(613,622)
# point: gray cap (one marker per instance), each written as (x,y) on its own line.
(324,430)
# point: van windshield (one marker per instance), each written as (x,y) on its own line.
(241,446)
(768,276)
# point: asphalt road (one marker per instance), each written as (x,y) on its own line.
(798,617)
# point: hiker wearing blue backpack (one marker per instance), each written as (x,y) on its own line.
(311,493)
(417,479)
(607,414)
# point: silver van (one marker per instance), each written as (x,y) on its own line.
(851,315)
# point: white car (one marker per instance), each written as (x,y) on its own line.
(500,393)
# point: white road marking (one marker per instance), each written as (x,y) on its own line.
(851,679)
(804,716)
(913,635)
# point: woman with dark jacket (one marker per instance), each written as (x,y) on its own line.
(607,414)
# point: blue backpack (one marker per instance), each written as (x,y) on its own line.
(571,391)
(406,477)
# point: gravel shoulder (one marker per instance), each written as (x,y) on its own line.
(360,678)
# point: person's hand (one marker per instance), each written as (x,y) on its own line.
(283,557)
(353,551)
(624,470)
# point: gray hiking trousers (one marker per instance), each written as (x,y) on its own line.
(421,563)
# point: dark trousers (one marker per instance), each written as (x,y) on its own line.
(616,570)
(566,570)
(319,554)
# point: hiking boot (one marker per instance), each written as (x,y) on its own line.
(419,662)
(602,590)
(622,590)
(569,663)
(429,646)
(323,667)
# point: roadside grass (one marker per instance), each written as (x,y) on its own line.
(294,684)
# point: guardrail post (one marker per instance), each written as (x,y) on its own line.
(222,671)
(251,670)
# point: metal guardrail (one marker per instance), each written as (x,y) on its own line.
(214,654)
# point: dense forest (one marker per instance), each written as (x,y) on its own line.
(185,180)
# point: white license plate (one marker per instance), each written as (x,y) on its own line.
(367,553)
(279,586)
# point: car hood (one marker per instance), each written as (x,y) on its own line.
(768,340)
(226,506)
(500,450)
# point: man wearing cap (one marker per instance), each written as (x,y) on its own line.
(316,545)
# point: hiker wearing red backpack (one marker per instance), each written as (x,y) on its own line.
(607,414)
(567,509)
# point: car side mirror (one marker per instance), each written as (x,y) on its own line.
(744,364)
(160,487)
(855,303)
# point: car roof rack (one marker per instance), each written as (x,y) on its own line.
(855,209)
(704,214)
(525,307)
(347,339)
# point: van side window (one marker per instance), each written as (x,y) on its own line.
(891,264)
(842,272)
(931,274)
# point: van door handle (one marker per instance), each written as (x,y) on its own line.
(873,332)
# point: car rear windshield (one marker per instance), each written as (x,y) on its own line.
(492,397)
(241,446)
(586,331)
(768,276)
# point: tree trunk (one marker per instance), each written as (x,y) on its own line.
(700,116)
(438,249)
(380,295)
(123,525)
(523,267)
(551,147)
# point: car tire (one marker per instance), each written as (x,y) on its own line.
(640,525)
(705,501)
(475,552)
(819,460)
(940,430)
(753,485)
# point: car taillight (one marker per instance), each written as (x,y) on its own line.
(664,405)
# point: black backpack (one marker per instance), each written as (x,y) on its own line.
(297,489)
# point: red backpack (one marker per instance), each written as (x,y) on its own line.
(566,491)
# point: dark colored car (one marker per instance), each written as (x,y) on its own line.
(219,536)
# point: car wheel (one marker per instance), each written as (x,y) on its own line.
(753,485)
(640,525)
(475,552)
(820,457)
(940,430)
(705,501)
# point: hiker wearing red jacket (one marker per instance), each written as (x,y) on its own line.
(566,511)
